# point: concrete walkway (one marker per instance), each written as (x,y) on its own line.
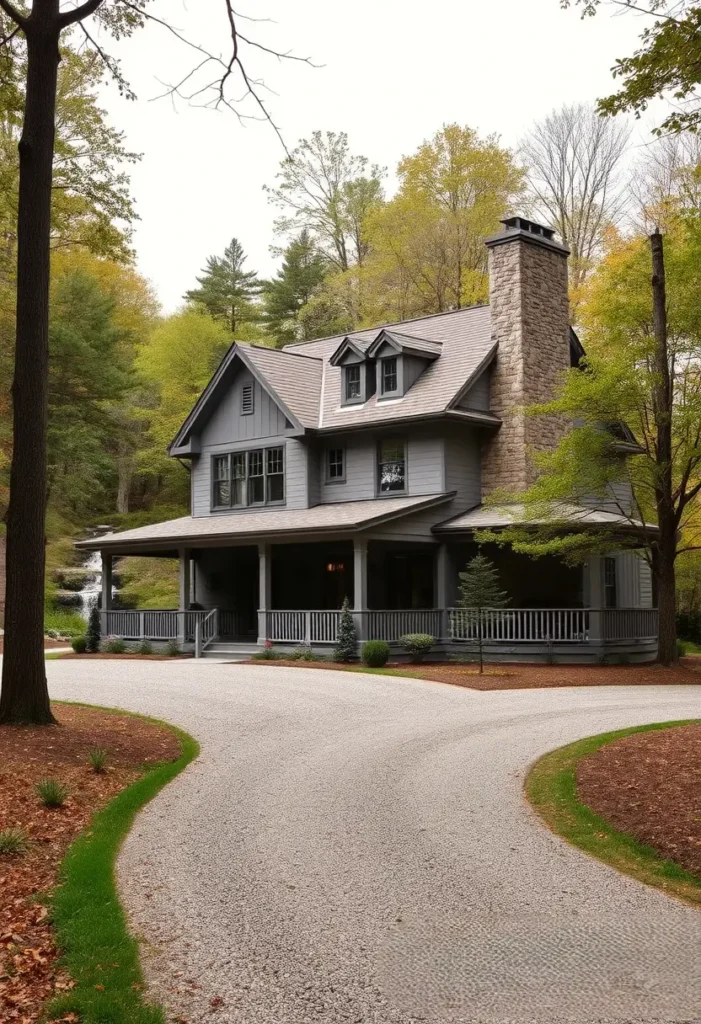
(357,848)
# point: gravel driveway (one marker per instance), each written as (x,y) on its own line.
(357,848)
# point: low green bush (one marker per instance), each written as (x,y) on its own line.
(305,653)
(144,647)
(417,645)
(113,645)
(51,792)
(98,760)
(267,654)
(173,648)
(79,643)
(375,653)
(13,841)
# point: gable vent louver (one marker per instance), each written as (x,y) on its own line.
(246,399)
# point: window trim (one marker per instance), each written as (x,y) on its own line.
(612,587)
(327,465)
(358,399)
(378,464)
(396,390)
(247,504)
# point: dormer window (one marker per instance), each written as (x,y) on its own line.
(353,383)
(389,376)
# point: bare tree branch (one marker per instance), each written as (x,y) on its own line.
(79,13)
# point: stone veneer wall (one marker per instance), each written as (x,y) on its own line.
(530,320)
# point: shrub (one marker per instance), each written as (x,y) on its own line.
(375,653)
(98,760)
(172,648)
(13,841)
(92,637)
(113,645)
(267,654)
(305,653)
(51,792)
(79,644)
(144,647)
(417,645)
(347,639)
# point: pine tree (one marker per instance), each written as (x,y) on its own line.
(347,640)
(226,290)
(94,631)
(303,269)
(479,590)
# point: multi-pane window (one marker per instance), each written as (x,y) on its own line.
(256,477)
(389,375)
(352,382)
(391,465)
(610,596)
(335,464)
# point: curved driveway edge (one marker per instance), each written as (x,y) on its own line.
(357,848)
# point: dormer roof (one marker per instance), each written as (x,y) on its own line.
(346,346)
(405,344)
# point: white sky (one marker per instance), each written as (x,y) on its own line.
(394,71)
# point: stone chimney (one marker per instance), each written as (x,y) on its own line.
(530,320)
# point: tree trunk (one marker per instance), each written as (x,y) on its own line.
(25,695)
(662,407)
(124,474)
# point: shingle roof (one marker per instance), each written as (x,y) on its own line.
(294,376)
(494,517)
(466,344)
(336,517)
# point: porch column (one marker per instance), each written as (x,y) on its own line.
(264,596)
(184,582)
(595,571)
(360,584)
(106,589)
(442,588)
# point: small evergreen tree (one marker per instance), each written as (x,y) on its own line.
(347,639)
(479,590)
(94,631)
(303,269)
(227,290)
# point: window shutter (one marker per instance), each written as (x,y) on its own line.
(247,399)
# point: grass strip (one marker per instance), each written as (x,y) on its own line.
(98,951)
(551,788)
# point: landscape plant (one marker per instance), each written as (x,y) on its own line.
(98,760)
(93,634)
(79,644)
(479,591)
(144,647)
(417,645)
(346,648)
(375,653)
(173,649)
(51,792)
(13,841)
(113,645)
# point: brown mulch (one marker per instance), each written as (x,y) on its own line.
(648,785)
(28,971)
(521,677)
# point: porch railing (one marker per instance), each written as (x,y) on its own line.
(457,625)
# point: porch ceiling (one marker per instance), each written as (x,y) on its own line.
(332,518)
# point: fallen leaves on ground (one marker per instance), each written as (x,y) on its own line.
(28,956)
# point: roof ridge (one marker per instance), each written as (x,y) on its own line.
(394,323)
(283,351)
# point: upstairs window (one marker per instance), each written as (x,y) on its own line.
(353,384)
(391,469)
(335,465)
(246,399)
(610,595)
(249,478)
(388,378)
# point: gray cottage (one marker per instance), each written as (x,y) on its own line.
(357,467)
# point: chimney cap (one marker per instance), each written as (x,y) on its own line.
(528,230)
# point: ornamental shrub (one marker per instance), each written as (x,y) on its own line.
(51,792)
(375,653)
(94,632)
(115,645)
(79,644)
(347,639)
(417,645)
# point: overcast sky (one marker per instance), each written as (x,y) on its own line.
(393,72)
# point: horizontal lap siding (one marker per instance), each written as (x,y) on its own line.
(359,484)
(646,600)
(463,469)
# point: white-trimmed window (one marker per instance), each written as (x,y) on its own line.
(242,479)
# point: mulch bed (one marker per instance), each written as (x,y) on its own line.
(28,971)
(648,785)
(127,656)
(521,677)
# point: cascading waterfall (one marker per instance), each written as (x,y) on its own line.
(92,586)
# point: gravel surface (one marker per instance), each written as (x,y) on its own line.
(357,849)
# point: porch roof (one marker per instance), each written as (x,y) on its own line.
(485,517)
(330,518)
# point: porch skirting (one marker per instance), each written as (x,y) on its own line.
(516,634)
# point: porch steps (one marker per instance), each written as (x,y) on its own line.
(230,650)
